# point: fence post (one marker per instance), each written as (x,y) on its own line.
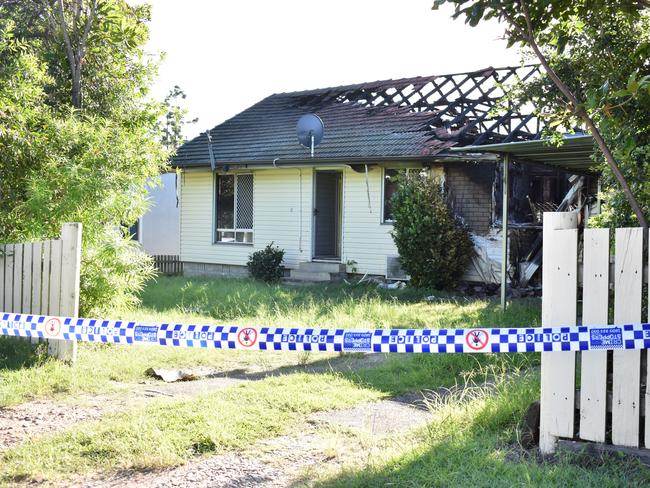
(70,275)
(559,306)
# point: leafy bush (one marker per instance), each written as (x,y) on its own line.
(266,264)
(91,164)
(434,247)
(114,271)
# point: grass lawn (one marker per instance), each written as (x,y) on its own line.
(472,440)
(25,375)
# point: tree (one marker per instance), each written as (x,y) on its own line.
(75,36)
(434,247)
(560,34)
(86,158)
(175,119)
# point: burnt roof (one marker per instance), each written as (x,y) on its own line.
(417,117)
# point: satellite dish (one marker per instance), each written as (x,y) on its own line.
(310,131)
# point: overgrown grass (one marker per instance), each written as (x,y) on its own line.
(101,368)
(328,305)
(474,441)
(168,433)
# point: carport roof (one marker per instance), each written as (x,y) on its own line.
(575,154)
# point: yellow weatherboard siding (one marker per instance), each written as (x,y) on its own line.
(365,239)
(279,210)
(276,217)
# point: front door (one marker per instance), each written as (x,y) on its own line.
(327,209)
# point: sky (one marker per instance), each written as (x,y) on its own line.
(228,55)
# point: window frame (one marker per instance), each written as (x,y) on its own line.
(235,230)
(406,170)
(383,220)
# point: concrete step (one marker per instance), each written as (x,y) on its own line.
(322,267)
(300,275)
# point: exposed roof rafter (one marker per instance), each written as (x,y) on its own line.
(420,115)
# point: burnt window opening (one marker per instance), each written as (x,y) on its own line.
(532,190)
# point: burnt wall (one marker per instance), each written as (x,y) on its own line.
(470,190)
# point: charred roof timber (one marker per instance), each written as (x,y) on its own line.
(411,117)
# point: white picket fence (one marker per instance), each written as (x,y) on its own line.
(43,278)
(608,381)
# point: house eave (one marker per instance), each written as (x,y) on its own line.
(311,162)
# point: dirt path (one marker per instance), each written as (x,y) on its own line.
(22,422)
(327,440)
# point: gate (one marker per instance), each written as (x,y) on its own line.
(609,402)
(42,278)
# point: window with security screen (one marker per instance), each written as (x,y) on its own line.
(390,187)
(234,208)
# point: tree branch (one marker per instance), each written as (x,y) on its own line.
(73,61)
(48,13)
(77,14)
(75,56)
(579,110)
(89,21)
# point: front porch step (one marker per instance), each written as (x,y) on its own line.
(300,275)
(322,267)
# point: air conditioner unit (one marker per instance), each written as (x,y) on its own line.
(394,269)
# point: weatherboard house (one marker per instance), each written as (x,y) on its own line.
(249,182)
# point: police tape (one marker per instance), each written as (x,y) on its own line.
(475,340)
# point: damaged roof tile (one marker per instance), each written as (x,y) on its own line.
(409,117)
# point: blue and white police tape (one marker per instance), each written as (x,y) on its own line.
(579,338)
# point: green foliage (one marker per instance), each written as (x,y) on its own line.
(266,264)
(434,247)
(600,50)
(175,119)
(59,164)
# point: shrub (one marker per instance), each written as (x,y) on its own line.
(435,248)
(266,264)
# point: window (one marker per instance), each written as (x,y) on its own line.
(390,187)
(134,231)
(234,212)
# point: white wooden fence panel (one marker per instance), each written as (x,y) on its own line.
(9,278)
(37,276)
(18,278)
(43,278)
(69,286)
(627,364)
(559,305)
(595,307)
(45,285)
(27,278)
(54,299)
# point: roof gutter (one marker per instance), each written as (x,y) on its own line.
(308,162)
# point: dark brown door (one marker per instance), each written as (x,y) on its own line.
(327,215)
